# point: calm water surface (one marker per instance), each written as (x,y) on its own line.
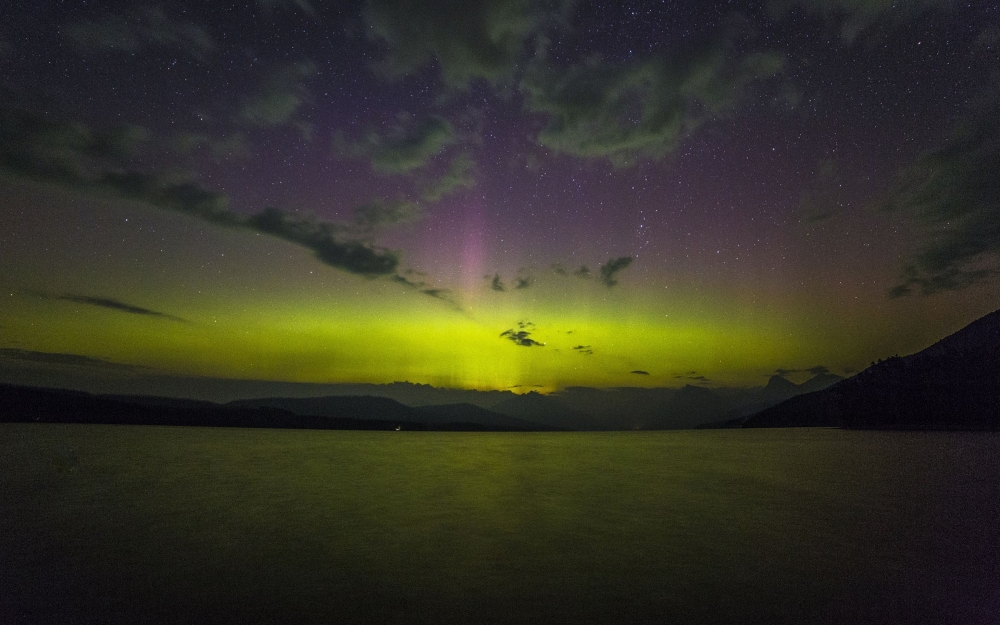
(126,524)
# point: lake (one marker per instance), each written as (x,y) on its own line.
(134,524)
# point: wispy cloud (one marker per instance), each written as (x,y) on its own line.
(424,288)
(148,27)
(474,39)
(825,196)
(953,193)
(692,376)
(642,108)
(855,18)
(54,358)
(407,146)
(460,175)
(279,96)
(117,305)
(380,213)
(72,155)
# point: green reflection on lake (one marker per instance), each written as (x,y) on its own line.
(129,524)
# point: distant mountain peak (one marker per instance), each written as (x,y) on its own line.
(779,382)
(694,391)
(819,382)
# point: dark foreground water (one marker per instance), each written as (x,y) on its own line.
(125,524)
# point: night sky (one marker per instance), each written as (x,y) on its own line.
(495,195)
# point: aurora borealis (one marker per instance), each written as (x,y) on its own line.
(495,195)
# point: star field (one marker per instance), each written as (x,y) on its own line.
(496,194)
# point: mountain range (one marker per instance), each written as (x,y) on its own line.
(20,404)
(953,384)
(575,408)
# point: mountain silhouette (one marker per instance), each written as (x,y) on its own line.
(545,410)
(573,408)
(470,413)
(385,409)
(819,382)
(953,384)
(778,388)
(689,407)
(20,404)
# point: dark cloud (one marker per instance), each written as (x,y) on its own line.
(460,175)
(639,372)
(953,192)
(469,39)
(521,337)
(322,238)
(185,197)
(408,145)
(582,271)
(497,284)
(693,376)
(62,152)
(584,349)
(71,155)
(117,305)
(523,282)
(642,108)
(437,293)
(279,96)
(611,269)
(147,27)
(52,358)
(442,294)
(406,281)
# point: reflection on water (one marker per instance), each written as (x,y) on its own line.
(146,524)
